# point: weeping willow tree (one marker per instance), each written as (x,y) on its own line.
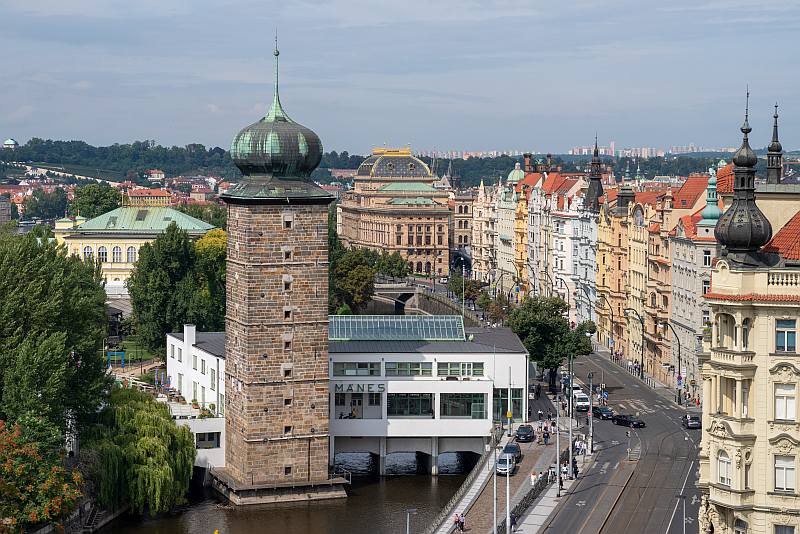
(144,458)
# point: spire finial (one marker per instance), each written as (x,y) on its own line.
(776,112)
(276,110)
(746,126)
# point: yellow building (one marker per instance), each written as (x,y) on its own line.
(393,206)
(114,238)
(750,449)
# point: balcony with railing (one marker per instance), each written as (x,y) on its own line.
(730,498)
(733,357)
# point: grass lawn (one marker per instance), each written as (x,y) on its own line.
(133,352)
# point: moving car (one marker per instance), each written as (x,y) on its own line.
(602,412)
(627,420)
(691,420)
(576,388)
(514,450)
(506,465)
(524,433)
(581,402)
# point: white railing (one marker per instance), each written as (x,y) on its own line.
(783,279)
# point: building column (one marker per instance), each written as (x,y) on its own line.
(331,451)
(434,455)
(707,408)
(382,455)
(738,408)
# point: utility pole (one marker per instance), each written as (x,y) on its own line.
(680,378)
(570,414)
(509,413)
(558,449)
(494,487)
(591,415)
(508,502)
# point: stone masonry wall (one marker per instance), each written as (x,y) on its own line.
(277,343)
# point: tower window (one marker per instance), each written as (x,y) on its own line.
(287,401)
(287,315)
(287,470)
(287,429)
(287,373)
(287,345)
(287,225)
(287,254)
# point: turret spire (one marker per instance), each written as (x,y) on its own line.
(743,229)
(595,190)
(775,154)
(276,112)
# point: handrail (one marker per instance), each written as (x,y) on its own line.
(444,515)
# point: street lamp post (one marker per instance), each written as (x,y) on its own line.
(550,279)
(641,322)
(591,415)
(610,311)
(678,380)
(588,301)
(409,513)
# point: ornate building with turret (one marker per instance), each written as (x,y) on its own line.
(751,380)
(276,343)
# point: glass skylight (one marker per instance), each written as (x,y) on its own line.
(396,328)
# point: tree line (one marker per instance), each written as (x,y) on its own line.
(53,383)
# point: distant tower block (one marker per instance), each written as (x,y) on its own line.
(276,343)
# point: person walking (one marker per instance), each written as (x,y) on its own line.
(574,468)
(462,522)
(541,414)
(546,437)
(513,522)
(456,521)
(533,478)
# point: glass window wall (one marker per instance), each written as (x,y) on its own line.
(467,405)
(410,405)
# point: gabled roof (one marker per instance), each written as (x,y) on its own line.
(531,179)
(553,181)
(566,185)
(148,193)
(143,220)
(787,241)
(648,197)
(690,192)
(725,179)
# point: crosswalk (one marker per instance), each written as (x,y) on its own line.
(637,406)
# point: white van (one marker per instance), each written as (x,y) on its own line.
(581,401)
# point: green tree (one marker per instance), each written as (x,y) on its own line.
(210,267)
(162,287)
(94,199)
(483,301)
(52,324)
(43,205)
(143,457)
(34,488)
(541,324)
(211,213)
(354,279)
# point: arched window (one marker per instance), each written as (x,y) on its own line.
(102,254)
(419,266)
(116,254)
(652,300)
(427,267)
(87,253)
(726,331)
(131,254)
(724,468)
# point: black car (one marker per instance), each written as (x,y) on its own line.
(691,421)
(525,433)
(627,420)
(602,412)
(513,449)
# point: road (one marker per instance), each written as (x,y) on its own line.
(615,495)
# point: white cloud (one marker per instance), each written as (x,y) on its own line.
(21,113)
(213,109)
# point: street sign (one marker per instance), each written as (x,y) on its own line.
(602,386)
(605,394)
(680,381)
(509,414)
(611,342)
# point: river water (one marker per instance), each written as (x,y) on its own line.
(374,505)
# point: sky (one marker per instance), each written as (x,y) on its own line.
(434,74)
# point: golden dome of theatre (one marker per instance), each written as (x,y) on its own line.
(393,163)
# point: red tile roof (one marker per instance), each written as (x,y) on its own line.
(552,183)
(753,297)
(654,228)
(148,193)
(725,179)
(690,192)
(787,241)
(566,185)
(531,179)
(648,197)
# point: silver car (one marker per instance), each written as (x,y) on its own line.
(506,465)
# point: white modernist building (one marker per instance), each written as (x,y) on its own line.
(421,384)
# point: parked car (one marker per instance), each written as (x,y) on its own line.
(524,433)
(506,465)
(576,388)
(581,401)
(602,412)
(443,280)
(513,449)
(691,420)
(627,420)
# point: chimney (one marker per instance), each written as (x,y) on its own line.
(527,159)
(189,337)
(549,162)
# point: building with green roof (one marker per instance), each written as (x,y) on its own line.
(114,238)
(395,207)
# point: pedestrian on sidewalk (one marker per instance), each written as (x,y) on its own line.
(541,414)
(462,522)
(513,522)
(546,437)
(456,521)
(574,468)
